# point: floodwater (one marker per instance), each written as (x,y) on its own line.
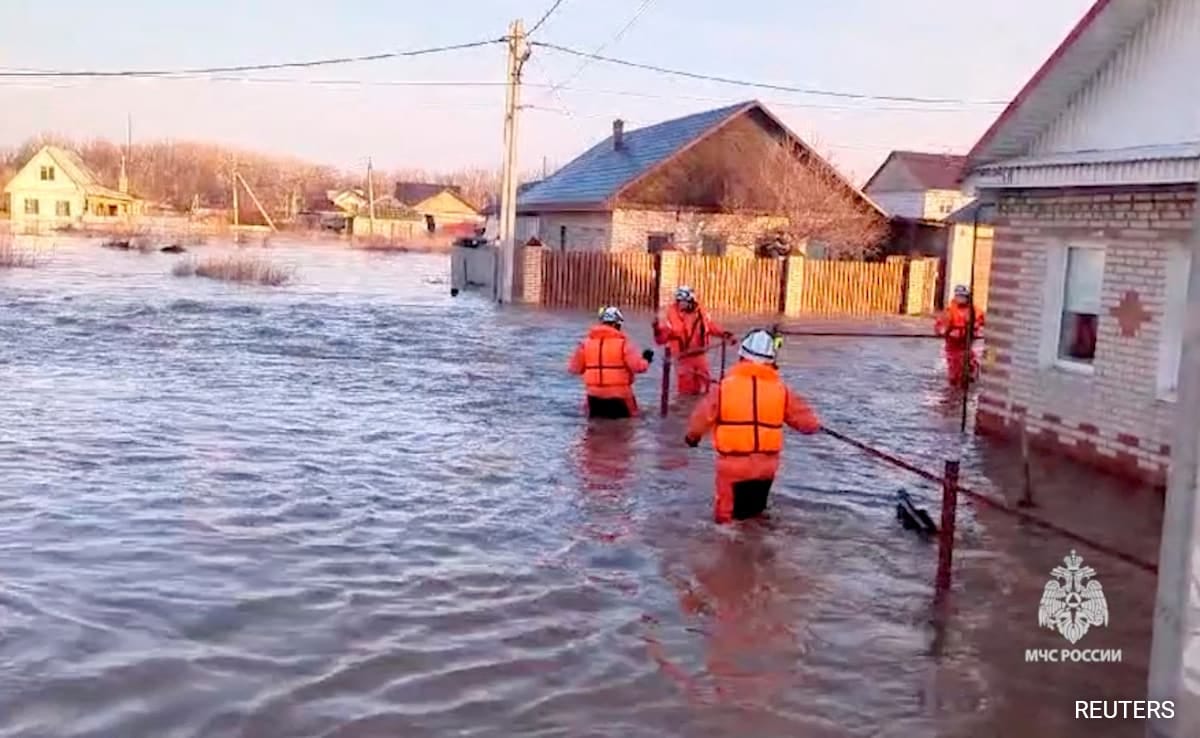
(358,507)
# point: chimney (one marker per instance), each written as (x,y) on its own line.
(618,134)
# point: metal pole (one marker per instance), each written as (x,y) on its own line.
(370,196)
(946,530)
(666,381)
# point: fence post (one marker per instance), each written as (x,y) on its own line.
(793,300)
(946,531)
(666,380)
(668,278)
(531,272)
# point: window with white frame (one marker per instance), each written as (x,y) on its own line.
(1074,279)
(1170,348)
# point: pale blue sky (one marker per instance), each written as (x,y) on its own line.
(976,49)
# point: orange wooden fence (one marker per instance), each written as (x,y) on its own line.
(731,284)
(592,279)
(852,287)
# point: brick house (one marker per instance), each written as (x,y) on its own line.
(1093,170)
(661,187)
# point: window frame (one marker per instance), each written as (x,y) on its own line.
(1170,345)
(47,173)
(37,206)
(62,208)
(1054,298)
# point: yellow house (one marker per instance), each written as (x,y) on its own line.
(438,204)
(55,189)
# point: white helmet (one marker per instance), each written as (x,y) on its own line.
(759,346)
(611,315)
(961,291)
(683,293)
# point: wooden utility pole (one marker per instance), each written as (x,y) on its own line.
(262,211)
(233,180)
(370,196)
(518,52)
(1174,652)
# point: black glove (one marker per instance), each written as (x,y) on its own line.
(648,355)
(691,441)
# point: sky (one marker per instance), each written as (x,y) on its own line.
(977,51)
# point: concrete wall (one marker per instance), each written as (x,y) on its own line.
(1115,417)
(472,268)
(583,231)
(391,229)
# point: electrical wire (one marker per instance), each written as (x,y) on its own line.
(763,85)
(615,38)
(251,67)
(545,16)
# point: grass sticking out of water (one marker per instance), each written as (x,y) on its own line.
(237,268)
(14,257)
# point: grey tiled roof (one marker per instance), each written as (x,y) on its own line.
(601,171)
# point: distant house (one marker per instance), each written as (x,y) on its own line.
(56,189)
(918,186)
(669,186)
(349,201)
(439,205)
(1093,170)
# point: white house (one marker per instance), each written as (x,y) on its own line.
(1093,170)
(55,189)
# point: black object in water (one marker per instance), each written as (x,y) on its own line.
(913,517)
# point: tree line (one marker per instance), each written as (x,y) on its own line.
(180,174)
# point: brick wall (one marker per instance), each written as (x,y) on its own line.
(1113,418)
(630,228)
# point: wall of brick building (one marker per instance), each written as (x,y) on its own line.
(631,228)
(1113,418)
(584,231)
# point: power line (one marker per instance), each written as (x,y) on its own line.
(763,85)
(250,67)
(616,37)
(545,16)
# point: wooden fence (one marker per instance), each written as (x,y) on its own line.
(795,286)
(733,285)
(591,279)
(852,287)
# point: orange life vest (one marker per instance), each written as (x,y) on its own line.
(752,402)
(691,328)
(604,363)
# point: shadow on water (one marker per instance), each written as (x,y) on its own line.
(357,507)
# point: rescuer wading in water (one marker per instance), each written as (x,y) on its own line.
(688,332)
(607,360)
(953,324)
(746,415)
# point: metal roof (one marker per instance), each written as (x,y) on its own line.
(602,171)
(930,171)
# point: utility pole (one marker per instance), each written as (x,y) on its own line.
(518,52)
(1174,653)
(234,181)
(370,196)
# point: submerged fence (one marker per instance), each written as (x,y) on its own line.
(729,284)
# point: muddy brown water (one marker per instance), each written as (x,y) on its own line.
(356,506)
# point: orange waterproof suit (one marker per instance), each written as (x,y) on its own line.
(688,334)
(608,360)
(953,324)
(746,415)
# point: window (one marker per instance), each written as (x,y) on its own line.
(657,242)
(62,208)
(47,174)
(31,206)
(1170,349)
(1073,283)
(712,245)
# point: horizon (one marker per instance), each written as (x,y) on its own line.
(409,114)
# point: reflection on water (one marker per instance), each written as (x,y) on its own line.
(358,507)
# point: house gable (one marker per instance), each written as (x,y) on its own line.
(446,202)
(29,177)
(892,176)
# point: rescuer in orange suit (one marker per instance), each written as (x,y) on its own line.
(688,332)
(608,360)
(746,415)
(953,324)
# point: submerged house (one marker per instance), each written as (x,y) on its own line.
(440,206)
(1092,174)
(55,189)
(704,183)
